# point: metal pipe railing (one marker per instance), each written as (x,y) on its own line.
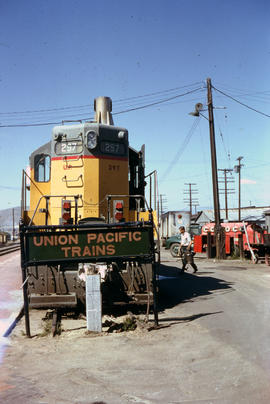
(47,197)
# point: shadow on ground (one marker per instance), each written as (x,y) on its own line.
(170,321)
(175,288)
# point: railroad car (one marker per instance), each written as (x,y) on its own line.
(247,236)
(84,211)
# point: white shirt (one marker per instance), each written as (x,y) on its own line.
(185,239)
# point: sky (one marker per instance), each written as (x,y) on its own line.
(57,56)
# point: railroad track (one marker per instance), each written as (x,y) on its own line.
(9,249)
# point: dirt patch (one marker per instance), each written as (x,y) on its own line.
(41,322)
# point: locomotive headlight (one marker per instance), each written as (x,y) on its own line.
(91,139)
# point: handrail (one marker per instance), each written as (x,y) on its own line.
(155,193)
(75,158)
(108,197)
(33,182)
(79,157)
(65,179)
(87,226)
(76,197)
(24,188)
(128,196)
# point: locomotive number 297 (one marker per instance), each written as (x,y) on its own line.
(112,147)
(68,147)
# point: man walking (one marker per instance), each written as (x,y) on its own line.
(185,250)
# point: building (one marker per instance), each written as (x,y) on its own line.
(171,221)
(250,214)
(4,237)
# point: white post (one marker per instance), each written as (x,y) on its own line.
(93,303)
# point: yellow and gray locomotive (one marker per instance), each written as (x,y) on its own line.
(87,213)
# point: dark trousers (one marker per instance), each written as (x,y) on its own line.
(187,258)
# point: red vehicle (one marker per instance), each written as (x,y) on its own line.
(256,243)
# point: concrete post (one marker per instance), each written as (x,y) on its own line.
(93,303)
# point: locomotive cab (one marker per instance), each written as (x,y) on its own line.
(81,166)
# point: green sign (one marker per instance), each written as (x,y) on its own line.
(87,245)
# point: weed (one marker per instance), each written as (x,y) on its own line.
(129,324)
(47,328)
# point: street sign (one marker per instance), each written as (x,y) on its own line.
(86,245)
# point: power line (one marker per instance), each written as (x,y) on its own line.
(9,188)
(45,110)
(238,170)
(227,152)
(226,190)
(115,113)
(206,166)
(156,103)
(239,102)
(91,105)
(189,197)
(30,124)
(261,95)
(181,148)
(78,116)
(159,92)
(163,201)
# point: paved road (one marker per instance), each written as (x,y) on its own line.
(10,300)
(230,303)
(10,293)
(212,347)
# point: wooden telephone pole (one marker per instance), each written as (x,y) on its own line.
(190,199)
(227,191)
(237,169)
(218,228)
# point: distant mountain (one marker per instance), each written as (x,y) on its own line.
(6,219)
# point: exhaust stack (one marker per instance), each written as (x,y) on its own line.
(103,109)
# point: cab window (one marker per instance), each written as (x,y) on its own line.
(42,167)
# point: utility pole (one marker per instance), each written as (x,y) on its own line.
(162,202)
(227,191)
(13,226)
(190,200)
(237,169)
(218,229)
(153,194)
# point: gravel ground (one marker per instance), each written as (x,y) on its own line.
(202,351)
